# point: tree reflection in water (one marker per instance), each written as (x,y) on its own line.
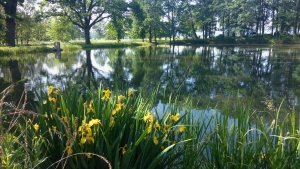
(206,74)
(18,85)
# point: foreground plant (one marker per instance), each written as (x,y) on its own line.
(20,144)
(114,129)
(118,126)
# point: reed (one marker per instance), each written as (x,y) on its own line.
(121,129)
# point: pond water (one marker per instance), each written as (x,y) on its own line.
(208,75)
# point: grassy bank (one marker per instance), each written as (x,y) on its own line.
(43,47)
(109,128)
(266,39)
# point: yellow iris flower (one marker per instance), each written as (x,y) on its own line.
(155,140)
(36,127)
(175,117)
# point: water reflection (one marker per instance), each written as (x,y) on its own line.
(18,85)
(205,74)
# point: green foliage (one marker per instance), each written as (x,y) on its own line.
(60,29)
(20,144)
(224,40)
(22,50)
(120,129)
(189,42)
(113,32)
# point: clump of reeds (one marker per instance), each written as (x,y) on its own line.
(123,130)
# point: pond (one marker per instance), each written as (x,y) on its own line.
(207,75)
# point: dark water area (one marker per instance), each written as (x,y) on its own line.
(207,75)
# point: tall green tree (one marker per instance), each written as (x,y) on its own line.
(2,26)
(153,12)
(137,15)
(296,16)
(84,13)
(10,10)
(172,10)
(25,23)
(118,20)
(285,15)
(60,29)
(39,31)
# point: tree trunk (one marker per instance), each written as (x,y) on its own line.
(273,19)
(296,16)
(10,9)
(173,27)
(87,36)
(10,31)
(150,35)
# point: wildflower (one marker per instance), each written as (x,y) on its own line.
(45,102)
(175,117)
(130,92)
(263,156)
(149,128)
(117,109)
(112,122)
(88,155)
(52,99)
(90,139)
(69,150)
(36,127)
(123,149)
(85,103)
(107,94)
(119,106)
(155,141)
(157,125)
(90,109)
(50,90)
(148,118)
(94,122)
(121,98)
(54,128)
(114,111)
(88,132)
(64,118)
(16,139)
(82,140)
(85,130)
(166,128)
(181,129)
(91,104)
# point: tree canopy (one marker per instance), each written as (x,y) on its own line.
(149,19)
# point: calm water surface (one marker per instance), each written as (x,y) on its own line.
(207,75)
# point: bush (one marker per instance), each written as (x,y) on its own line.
(223,40)
(190,42)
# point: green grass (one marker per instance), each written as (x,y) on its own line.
(42,47)
(4,51)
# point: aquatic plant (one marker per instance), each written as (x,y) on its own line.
(120,129)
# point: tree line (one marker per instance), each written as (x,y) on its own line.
(22,21)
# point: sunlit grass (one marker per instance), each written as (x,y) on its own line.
(43,47)
(22,50)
